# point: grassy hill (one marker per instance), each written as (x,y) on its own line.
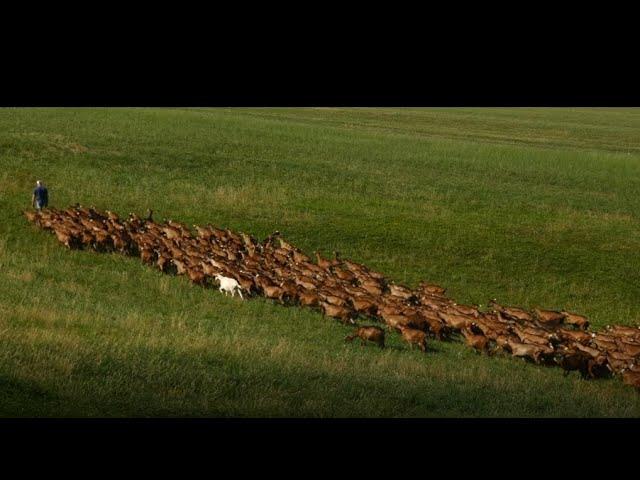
(535,207)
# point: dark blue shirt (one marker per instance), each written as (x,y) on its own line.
(42,195)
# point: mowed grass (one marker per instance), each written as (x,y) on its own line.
(535,207)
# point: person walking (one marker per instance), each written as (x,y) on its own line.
(40,197)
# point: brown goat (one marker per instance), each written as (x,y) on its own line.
(344,275)
(273,292)
(573,335)
(478,342)
(436,326)
(33,217)
(572,359)
(533,352)
(514,313)
(197,276)
(181,266)
(395,321)
(619,364)
(332,299)
(305,282)
(431,288)
(526,336)
(401,291)
(65,238)
(147,255)
(628,348)
(300,257)
(372,289)
(341,313)
(466,310)
(622,331)
(308,299)
(456,321)
(364,306)
(576,320)
(548,318)
(603,343)
(322,262)
(369,333)
(631,378)
(414,337)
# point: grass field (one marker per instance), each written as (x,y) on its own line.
(535,207)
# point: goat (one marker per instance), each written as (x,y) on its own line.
(512,312)
(64,238)
(290,290)
(574,319)
(344,275)
(599,367)
(603,343)
(436,326)
(247,284)
(594,352)
(300,257)
(274,292)
(395,321)
(372,289)
(180,265)
(369,333)
(229,285)
(209,269)
(401,291)
(308,299)
(33,217)
(548,318)
(414,337)
(572,359)
(432,288)
(620,330)
(197,276)
(332,299)
(631,378)
(322,262)
(364,306)
(477,342)
(455,321)
(147,255)
(305,282)
(628,348)
(573,335)
(163,262)
(341,313)
(466,310)
(532,338)
(502,341)
(619,364)
(524,350)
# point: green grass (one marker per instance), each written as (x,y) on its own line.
(536,207)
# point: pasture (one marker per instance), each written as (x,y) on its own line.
(534,207)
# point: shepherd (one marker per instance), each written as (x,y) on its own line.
(40,197)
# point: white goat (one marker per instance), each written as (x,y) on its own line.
(229,285)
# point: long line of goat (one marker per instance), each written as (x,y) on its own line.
(346,290)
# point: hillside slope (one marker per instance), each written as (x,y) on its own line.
(536,207)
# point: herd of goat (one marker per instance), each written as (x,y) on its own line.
(346,290)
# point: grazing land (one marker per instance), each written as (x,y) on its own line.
(534,207)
